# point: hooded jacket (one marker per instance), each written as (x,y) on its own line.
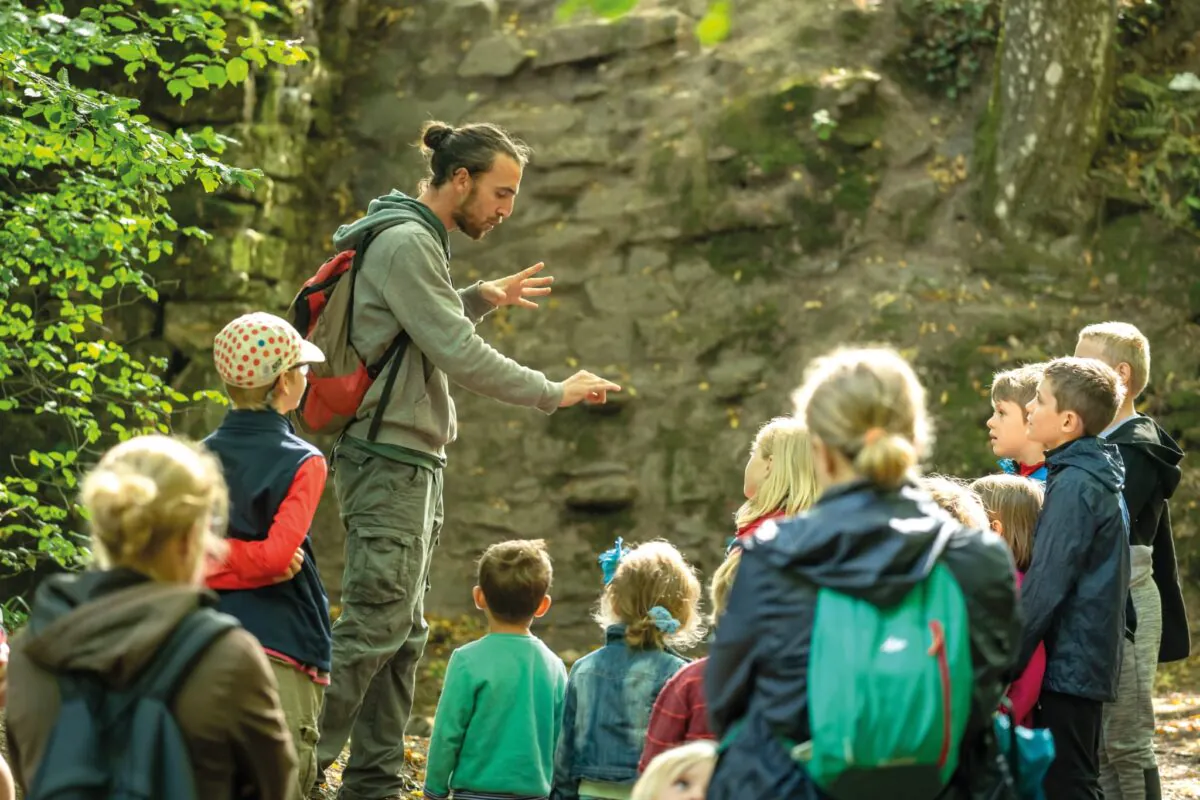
(872,544)
(1076,589)
(112,623)
(404,284)
(1151,458)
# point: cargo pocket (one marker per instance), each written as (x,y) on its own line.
(382,565)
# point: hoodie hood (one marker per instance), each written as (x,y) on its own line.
(110,623)
(393,208)
(1145,435)
(1093,455)
(862,541)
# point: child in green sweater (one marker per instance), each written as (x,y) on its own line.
(500,714)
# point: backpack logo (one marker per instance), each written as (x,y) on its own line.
(893,644)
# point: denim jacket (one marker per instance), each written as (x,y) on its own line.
(610,694)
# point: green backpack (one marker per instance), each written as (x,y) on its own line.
(889,692)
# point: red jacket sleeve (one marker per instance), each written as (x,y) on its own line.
(668,720)
(1025,690)
(250,565)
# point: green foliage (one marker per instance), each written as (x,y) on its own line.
(13,613)
(1153,158)
(84,185)
(713,27)
(949,40)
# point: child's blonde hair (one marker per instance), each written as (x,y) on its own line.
(148,492)
(722,584)
(651,575)
(667,767)
(867,405)
(1123,343)
(957,499)
(1016,503)
(792,485)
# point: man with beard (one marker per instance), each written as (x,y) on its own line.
(389,485)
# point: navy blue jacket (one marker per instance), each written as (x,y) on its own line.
(1075,591)
(260,454)
(872,544)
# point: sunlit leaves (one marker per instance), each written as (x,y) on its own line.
(84,181)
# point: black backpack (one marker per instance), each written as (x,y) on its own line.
(124,744)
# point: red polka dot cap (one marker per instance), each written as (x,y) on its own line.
(255,349)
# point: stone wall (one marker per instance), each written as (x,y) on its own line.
(707,238)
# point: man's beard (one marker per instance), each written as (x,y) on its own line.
(464,223)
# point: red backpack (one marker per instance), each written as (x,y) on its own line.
(322,312)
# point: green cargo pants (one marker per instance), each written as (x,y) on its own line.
(300,699)
(393,515)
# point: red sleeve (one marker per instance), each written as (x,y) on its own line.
(250,565)
(668,721)
(1025,690)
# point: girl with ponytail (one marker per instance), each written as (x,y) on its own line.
(649,607)
(872,536)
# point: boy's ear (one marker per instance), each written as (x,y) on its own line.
(542,608)
(479,598)
(1072,424)
(1125,373)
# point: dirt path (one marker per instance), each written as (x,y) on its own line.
(1177,745)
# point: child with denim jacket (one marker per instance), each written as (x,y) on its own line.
(650,605)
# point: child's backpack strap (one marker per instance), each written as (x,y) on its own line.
(180,653)
(125,743)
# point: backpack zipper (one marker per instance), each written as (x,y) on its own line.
(938,651)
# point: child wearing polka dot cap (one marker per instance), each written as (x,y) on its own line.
(269,579)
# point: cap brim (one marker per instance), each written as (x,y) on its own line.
(310,353)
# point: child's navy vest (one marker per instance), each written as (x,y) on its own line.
(260,454)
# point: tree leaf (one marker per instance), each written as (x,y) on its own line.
(713,27)
(236,69)
(215,74)
(124,24)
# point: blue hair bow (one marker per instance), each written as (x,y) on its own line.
(611,559)
(663,620)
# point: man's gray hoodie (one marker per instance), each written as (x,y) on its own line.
(404,284)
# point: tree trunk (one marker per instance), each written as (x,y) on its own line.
(1047,115)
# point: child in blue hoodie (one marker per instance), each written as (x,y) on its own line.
(1075,590)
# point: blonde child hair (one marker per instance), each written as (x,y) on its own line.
(792,485)
(1013,504)
(957,499)
(1122,343)
(668,767)
(653,576)
(149,492)
(722,584)
(867,405)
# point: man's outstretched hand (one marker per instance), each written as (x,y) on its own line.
(585,387)
(515,290)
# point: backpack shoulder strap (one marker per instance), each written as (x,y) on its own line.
(179,654)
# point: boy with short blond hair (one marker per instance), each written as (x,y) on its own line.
(1012,390)
(1073,596)
(500,713)
(1128,767)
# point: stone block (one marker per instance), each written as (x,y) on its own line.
(494,57)
(579,42)
(601,487)
(574,150)
(259,255)
(735,374)
(191,326)
(603,340)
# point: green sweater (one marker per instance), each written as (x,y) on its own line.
(498,720)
